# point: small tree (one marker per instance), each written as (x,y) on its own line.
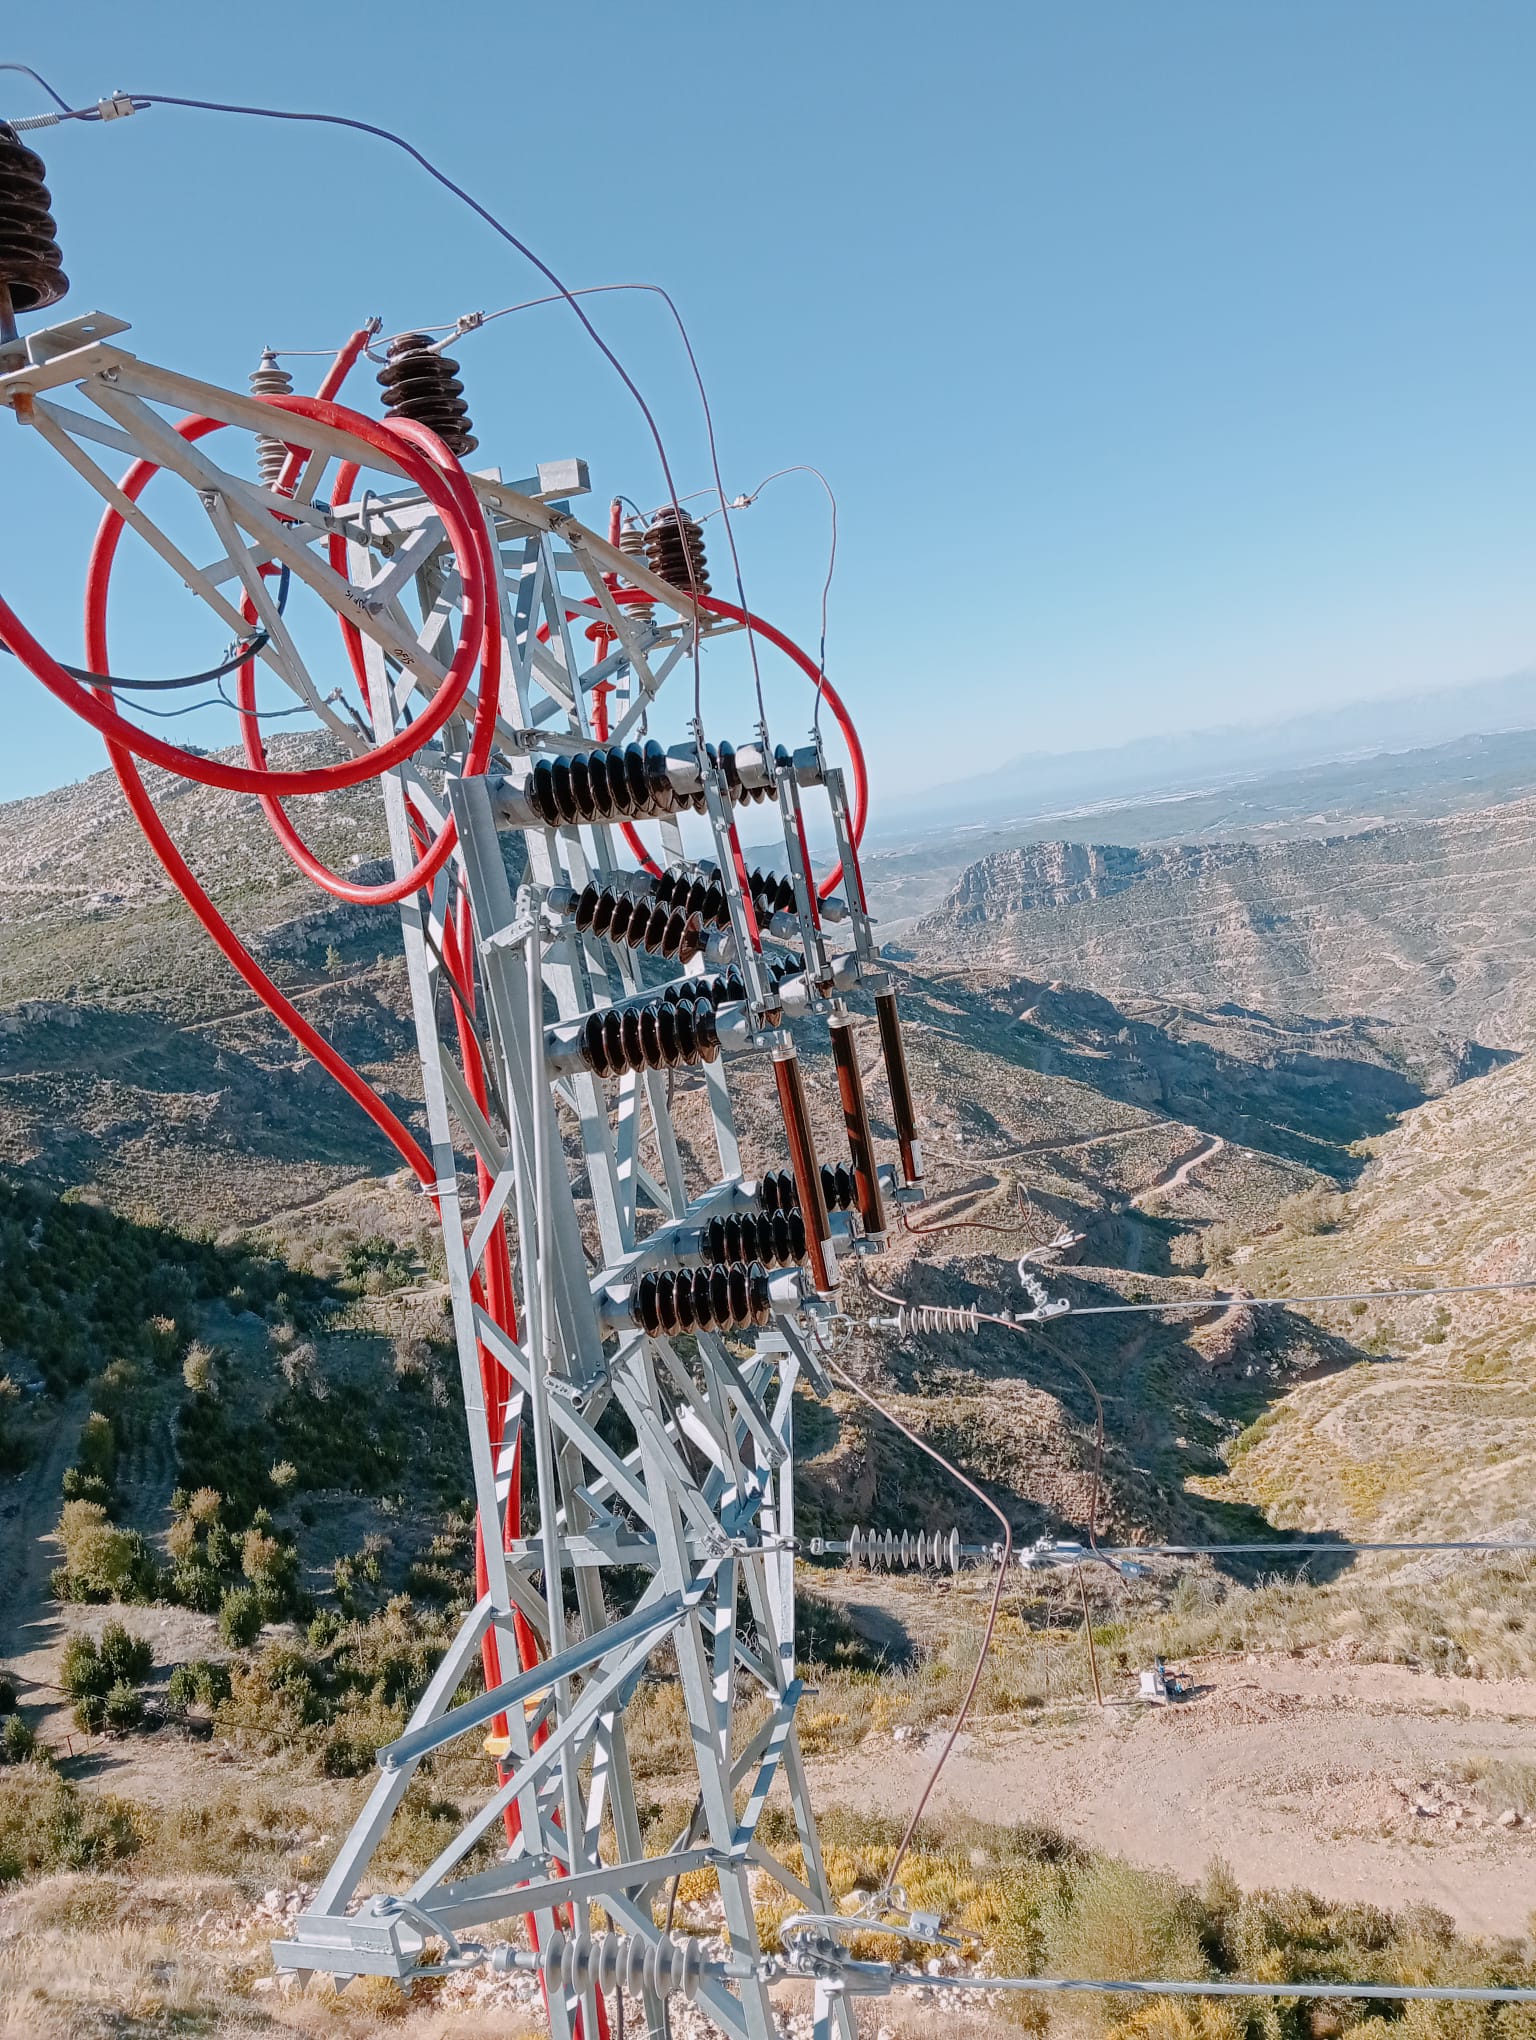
(102,1562)
(17,1741)
(239,1618)
(98,1445)
(81,1670)
(126,1656)
(197,1368)
(124,1707)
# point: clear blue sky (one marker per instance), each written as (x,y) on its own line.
(1173,363)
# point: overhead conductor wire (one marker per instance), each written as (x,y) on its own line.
(889,1880)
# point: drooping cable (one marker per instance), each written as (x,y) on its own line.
(497,226)
(804,467)
(932,1451)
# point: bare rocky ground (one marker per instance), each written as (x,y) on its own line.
(1347,1780)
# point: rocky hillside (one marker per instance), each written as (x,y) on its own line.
(135,1069)
(1439,1437)
(1430,921)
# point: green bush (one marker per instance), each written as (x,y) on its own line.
(102,1562)
(48,1824)
(196,1586)
(202,1682)
(81,1670)
(98,1445)
(180,1690)
(91,1713)
(79,1486)
(344,1756)
(125,1656)
(239,1618)
(17,1742)
(123,1707)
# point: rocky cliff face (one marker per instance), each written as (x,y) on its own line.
(1428,922)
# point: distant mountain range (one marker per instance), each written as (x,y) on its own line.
(1033,784)
(1430,922)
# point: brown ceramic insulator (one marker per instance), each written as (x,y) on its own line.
(903,1110)
(776,1191)
(730,1297)
(776,1238)
(620,781)
(31,271)
(837,1186)
(674,551)
(632,540)
(802,1154)
(771,894)
(270,380)
(861,1141)
(659,1035)
(421,384)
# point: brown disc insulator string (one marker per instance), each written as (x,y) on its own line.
(776,1238)
(268,379)
(861,1144)
(31,267)
(422,384)
(776,1191)
(662,1035)
(731,1297)
(771,894)
(702,896)
(674,550)
(645,924)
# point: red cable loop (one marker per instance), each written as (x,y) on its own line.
(483,733)
(440,488)
(813,672)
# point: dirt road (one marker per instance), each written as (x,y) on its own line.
(1293,1772)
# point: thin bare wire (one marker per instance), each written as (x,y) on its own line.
(27,71)
(804,467)
(367,127)
(1013,1325)
(991,1626)
(461,328)
(1289,1302)
(1434,1993)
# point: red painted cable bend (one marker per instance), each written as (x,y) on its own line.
(104,716)
(226,940)
(840,714)
(330,387)
(829,694)
(483,732)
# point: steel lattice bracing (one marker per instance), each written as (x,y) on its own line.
(652,1396)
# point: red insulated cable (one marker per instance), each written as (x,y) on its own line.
(482,735)
(330,387)
(223,936)
(96,707)
(813,672)
(834,701)
(230,945)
